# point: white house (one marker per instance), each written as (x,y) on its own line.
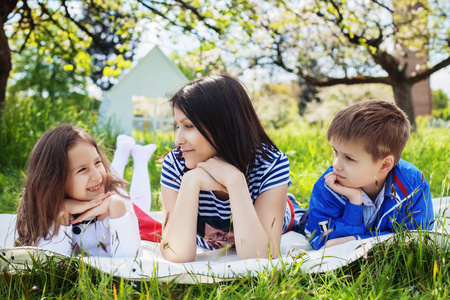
(154,76)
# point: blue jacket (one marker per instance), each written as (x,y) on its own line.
(407,203)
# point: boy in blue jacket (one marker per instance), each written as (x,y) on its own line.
(368,190)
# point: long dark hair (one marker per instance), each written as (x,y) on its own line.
(220,108)
(43,196)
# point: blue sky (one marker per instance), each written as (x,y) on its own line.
(441,80)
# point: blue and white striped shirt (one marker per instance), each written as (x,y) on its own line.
(213,227)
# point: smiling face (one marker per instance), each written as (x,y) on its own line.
(86,176)
(355,167)
(194,146)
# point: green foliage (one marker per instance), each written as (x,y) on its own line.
(441,105)
(200,62)
(98,38)
(90,38)
(335,98)
(439,99)
(46,79)
(276,105)
(24,119)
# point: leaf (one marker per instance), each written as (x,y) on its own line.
(68,67)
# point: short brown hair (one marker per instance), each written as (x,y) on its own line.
(380,125)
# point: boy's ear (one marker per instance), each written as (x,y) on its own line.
(387,164)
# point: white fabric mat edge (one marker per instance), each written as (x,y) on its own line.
(218,265)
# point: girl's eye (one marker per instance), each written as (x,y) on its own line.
(349,158)
(189,126)
(99,162)
(176,126)
(81,170)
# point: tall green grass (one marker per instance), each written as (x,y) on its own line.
(406,268)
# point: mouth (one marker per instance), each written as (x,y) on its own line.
(186,151)
(95,187)
(339,177)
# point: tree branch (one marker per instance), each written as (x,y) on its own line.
(383,6)
(356,38)
(186,6)
(347,80)
(202,18)
(32,24)
(157,12)
(79,25)
(421,75)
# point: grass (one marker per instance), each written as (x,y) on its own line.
(405,268)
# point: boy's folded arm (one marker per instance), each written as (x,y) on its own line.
(341,218)
(324,225)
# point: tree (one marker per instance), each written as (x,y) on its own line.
(97,37)
(45,80)
(59,30)
(200,62)
(330,42)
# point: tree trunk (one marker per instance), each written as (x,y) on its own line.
(6,8)
(403,99)
(5,64)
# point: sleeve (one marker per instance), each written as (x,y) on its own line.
(277,174)
(332,216)
(61,242)
(125,238)
(171,171)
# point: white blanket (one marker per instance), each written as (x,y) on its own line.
(215,265)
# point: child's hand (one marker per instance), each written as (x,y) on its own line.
(73,206)
(339,240)
(112,206)
(353,194)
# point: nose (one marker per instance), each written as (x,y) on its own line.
(95,174)
(336,164)
(179,138)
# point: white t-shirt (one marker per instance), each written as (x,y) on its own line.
(110,237)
